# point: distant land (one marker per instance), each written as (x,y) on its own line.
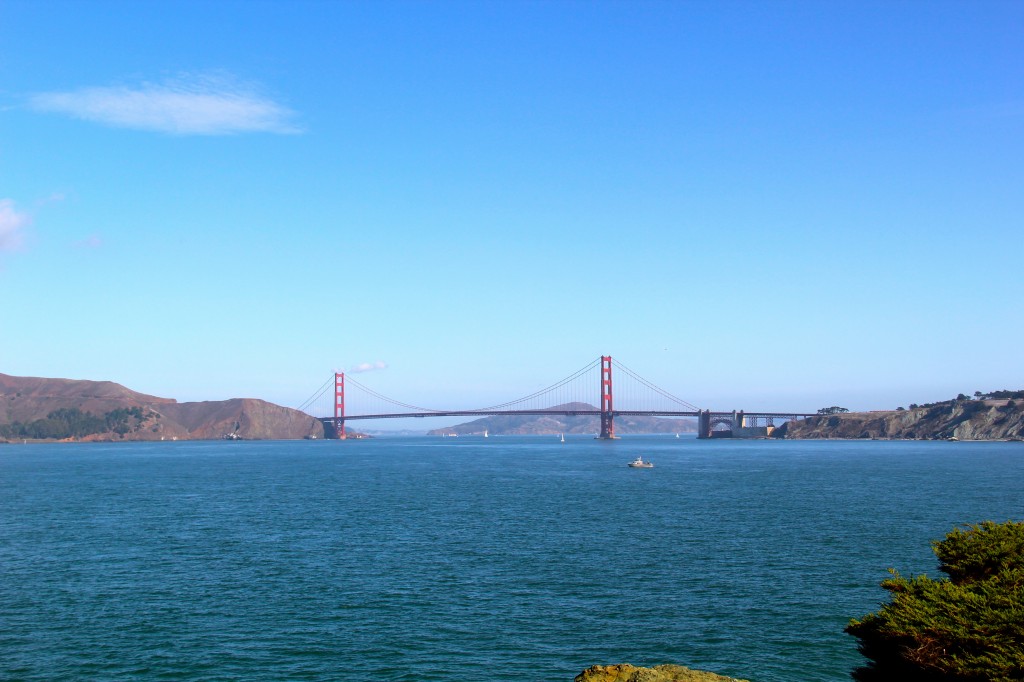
(532,425)
(34,408)
(963,418)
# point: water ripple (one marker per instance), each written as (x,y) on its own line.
(507,559)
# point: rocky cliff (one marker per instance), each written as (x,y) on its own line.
(960,419)
(624,672)
(25,400)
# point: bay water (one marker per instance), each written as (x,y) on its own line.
(468,559)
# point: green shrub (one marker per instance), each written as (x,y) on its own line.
(969,627)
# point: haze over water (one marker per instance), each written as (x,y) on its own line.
(469,559)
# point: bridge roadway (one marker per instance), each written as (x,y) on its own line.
(707,421)
(566,413)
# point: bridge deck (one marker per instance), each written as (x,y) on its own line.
(566,413)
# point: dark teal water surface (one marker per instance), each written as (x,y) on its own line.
(469,559)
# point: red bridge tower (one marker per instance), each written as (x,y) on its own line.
(607,415)
(339,405)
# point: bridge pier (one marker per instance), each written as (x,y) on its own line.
(703,424)
(331,429)
(739,424)
(706,422)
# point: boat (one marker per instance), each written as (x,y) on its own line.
(563,437)
(639,463)
(485,433)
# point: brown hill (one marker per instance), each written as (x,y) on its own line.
(247,417)
(537,425)
(24,400)
(29,398)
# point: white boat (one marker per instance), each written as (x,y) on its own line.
(563,437)
(485,433)
(639,463)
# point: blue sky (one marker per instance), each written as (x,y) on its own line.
(777,205)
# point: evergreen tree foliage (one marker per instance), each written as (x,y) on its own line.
(967,628)
(71,422)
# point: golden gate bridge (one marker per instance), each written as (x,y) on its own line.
(342,399)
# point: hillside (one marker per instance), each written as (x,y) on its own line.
(530,425)
(960,419)
(42,408)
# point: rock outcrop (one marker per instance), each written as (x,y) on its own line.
(624,672)
(960,419)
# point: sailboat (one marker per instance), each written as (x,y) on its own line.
(563,437)
(485,433)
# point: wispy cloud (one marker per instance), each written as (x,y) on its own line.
(205,104)
(54,198)
(12,226)
(368,367)
(93,241)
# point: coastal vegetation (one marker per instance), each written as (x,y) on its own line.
(979,399)
(999,395)
(74,423)
(967,627)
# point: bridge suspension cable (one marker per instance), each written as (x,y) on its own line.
(660,391)
(317,394)
(580,391)
(570,396)
(550,389)
(391,401)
